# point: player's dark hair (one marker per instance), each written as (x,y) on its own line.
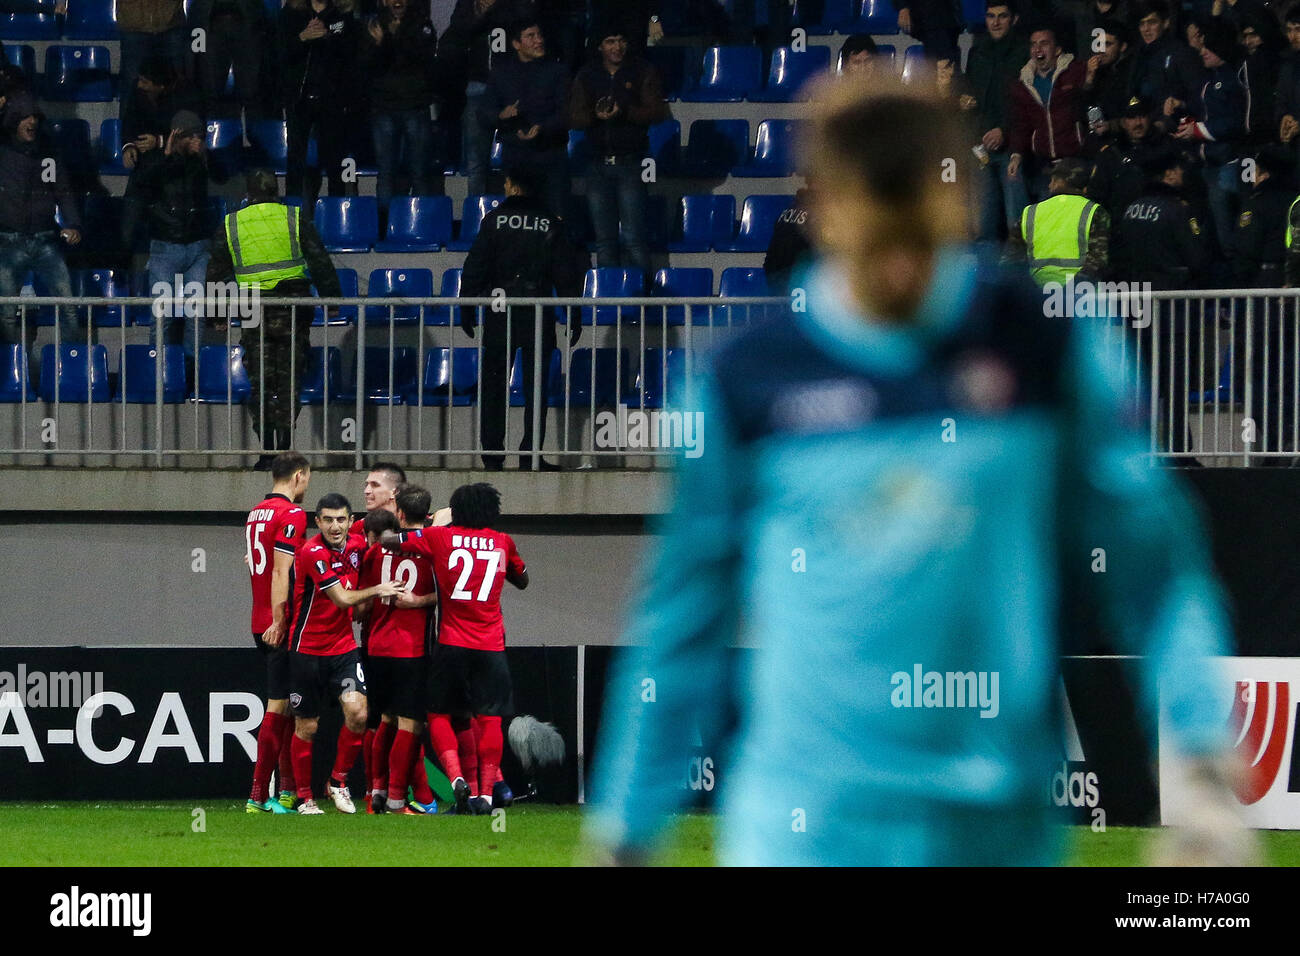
(378,521)
(475,506)
(1293,13)
(518,26)
(857,42)
(1117,29)
(990,4)
(333,501)
(396,473)
(1144,8)
(1045,26)
(413,502)
(287,463)
(525,178)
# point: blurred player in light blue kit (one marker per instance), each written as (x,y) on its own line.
(892,486)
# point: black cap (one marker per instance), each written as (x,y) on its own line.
(1137,106)
(1075,173)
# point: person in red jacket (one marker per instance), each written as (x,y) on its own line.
(1047,111)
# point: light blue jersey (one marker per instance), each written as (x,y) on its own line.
(886,513)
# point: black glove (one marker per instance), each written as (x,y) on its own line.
(468,322)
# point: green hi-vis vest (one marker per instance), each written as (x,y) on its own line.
(1290,210)
(263,240)
(1056,234)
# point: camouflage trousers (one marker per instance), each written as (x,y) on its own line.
(278,356)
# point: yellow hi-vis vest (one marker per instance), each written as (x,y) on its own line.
(1056,235)
(1290,210)
(263,241)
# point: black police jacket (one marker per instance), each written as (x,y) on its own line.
(1159,240)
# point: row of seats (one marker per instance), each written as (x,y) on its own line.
(877,17)
(451,376)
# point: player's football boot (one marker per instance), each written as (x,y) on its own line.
(288,799)
(308,808)
(341,797)
(415,806)
(480,806)
(501,794)
(461,790)
(378,802)
(270,806)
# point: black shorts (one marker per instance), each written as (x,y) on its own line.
(464,680)
(314,678)
(397,686)
(277,667)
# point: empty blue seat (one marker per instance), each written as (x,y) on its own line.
(23,57)
(473,211)
(706,220)
(886,52)
(454,374)
(450,289)
(323,377)
(269,145)
(15,385)
(715,147)
(222,374)
(757,218)
(611,283)
(349,287)
(79,375)
(348,223)
(742,283)
(603,382)
(555,390)
(78,73)
(495,153)
(790,73)
(137,369)
(915,64)
(672,64)
(681,283)
(774,150)
(417,224)
(90,20)
(728,74)
(666,146)
(110,148)
(107,283)
(29,26)
(877,17)
(398,284)
(835,16)
(661,381)
(379,389)
(225,143)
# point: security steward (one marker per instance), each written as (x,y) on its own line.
(522,250)
(269,246)
(1118,177)
(1066,234)
(1260,233)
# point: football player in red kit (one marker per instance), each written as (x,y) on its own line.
(324,658)
(468,671)
(275,529)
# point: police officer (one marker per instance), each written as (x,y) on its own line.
(1066,234)
(1259,236)
(789,245)
(269,246)
(521,249)
(1118,177)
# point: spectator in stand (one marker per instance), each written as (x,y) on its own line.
(1216,124)
(1088,16)
(934,23)
(29,234)
(616,101)
(1286,106)
(234,36)
(1164,67)
(320,39)
(160,93)
(149,28)
(765,22)
(1195,36)
(528,104)
(168,189)
(1263,43)
(1047,111)
(1108,77)
(995,60)
(467,52)
(641,20)
(858,54)
(1237,13)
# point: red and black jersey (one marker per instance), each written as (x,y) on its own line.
(395,631)
(275,524)
(470,565)
(318,626)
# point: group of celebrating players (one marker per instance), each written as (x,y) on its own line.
(426,591)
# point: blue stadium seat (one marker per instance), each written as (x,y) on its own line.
(555,391)
(222,373)
(877,17)
(24,57)
(728,74)
(378,391)
(323,377)
(887,52)
(715,147)
(90,20)
(445,370)
(450,289)
(774,150)
(789,74)
(666,147)
(672,64)
(417,224)
(604,382)
(706,220)
(72,144)
(225,142)
(137,368)
(79,375)
(107,283)
(110,148)
(473,211)
(835,16)
(681,283)
(609,283)
(496,152)
(29,26)
(349,287)
(348,223)
(15,386)
(269,145)
(741,282)
(80,74)
(397,284)
(915,64)
(757,218)
(579,153)
(662,379)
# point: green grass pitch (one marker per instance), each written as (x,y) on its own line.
(173,834)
